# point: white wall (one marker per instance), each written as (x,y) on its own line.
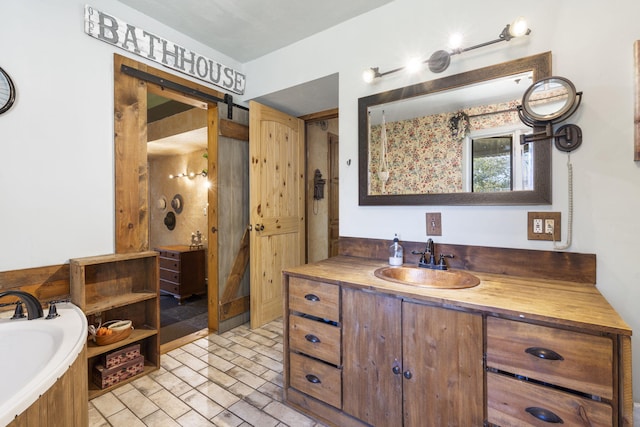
(56,161)
(56,166)
(592,44)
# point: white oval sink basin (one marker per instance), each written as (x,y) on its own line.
(424,277)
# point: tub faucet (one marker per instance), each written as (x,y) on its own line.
(34,309)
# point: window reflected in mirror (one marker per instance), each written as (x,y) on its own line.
(498,163)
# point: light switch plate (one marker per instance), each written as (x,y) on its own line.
(434,224)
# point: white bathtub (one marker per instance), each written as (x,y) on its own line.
(34,354)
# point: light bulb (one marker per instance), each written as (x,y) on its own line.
(413,65)
(171,176)
(519,27)
(191,175)
(368,75)
(455,41)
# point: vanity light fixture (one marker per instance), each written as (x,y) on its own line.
(189,175)
(439,61)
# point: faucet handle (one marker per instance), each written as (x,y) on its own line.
(19,312)
(442,265)
(53,311)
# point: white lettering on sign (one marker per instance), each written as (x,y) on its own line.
(132,39)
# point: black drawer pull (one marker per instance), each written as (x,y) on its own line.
(312,297)
(313,379)
(312,338)
(544,353)
(544,415)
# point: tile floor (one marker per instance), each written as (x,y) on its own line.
(231,379)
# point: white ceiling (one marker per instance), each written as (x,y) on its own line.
(248,29)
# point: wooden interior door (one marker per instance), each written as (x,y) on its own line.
(276,193)
(442,351)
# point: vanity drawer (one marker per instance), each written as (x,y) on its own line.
(508,400)
(170,275)
(524,349)
(170,264)
(317,379)
(314,338)
(169,254)
(315,298)
(170,287)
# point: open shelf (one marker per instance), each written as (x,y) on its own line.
(94,349)
(101,304)
(95,391)
(119,287)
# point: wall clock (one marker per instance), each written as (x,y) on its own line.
(7,91)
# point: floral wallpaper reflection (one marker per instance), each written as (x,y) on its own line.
(424,154)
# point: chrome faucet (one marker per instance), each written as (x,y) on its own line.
(34,309)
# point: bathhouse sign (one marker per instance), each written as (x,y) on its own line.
(135,40)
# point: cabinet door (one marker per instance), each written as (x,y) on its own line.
(372,346)
(443,359)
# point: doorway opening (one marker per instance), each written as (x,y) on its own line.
(134,206)
(322,142)
(178,187)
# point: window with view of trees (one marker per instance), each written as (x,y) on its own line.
(492,163)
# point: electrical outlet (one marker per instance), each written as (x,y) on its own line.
(543,226)
(434,224)
(548,226)
(537,225)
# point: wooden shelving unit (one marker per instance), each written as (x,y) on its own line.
(119,287)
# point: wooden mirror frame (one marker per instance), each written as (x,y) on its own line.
(636,114)
(539,64)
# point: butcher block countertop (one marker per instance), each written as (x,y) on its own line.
(574,305)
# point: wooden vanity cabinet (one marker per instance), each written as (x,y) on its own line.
(482,356)
(410,364)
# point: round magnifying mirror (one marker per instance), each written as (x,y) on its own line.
(550,100)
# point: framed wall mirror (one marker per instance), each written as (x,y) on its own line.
(454,141)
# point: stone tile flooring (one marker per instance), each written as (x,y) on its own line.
(231,379)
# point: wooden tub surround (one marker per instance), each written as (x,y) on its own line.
(534,343)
